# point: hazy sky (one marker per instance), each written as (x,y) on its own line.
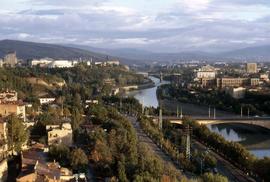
(157,25)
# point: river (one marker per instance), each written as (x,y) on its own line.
(255,139)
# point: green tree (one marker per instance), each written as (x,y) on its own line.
(60,153)
(17,133)
(210,177)
(122,170)
(78,160)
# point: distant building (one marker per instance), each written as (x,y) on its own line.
(264,77)
(46,100)
(62,64)
(231,82)
(8,96)
(206,72)
(41,62)
(252,68)
(208,82)
(60,134)
(10,60)
(14,107)
(114,62)
(254,81)
(237,93)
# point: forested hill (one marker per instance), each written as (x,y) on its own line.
(30,50)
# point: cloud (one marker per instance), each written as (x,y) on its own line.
(207,25)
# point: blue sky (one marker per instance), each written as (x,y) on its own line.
(155,25)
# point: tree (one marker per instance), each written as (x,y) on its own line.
(17,133)
(59,153)
(210,177)
(78,160)
(122,170)
(76,118)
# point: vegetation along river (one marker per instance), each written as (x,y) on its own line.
(255,139)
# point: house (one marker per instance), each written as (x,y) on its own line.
(60,134)
(8,95)
(46,100)
(36,168)
(12,107)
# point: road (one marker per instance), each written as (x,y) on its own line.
(224,167)
(142,137)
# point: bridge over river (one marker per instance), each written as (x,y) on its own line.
(258,121)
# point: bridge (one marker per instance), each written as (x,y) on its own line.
(257,121)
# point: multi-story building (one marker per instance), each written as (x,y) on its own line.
(8,96)
(60,134)
(12,107)
(232,82)
(254,81)
(208,82)
(237,93)
(206,72)
(10,60)
(252,68)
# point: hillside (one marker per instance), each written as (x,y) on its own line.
(30,50)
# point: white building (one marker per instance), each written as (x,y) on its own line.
(60,134)
(41,62)
(237,93)
(62,64)
(206,72)
(46,100)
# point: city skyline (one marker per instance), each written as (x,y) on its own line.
(160,26)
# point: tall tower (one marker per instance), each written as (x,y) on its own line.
(161,77)
(160,118)
(186,141)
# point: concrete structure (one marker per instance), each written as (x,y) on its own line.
(16,107)
(46,100)
(114,62)
(36,168)
(41,62)
(3,150)
(264,77)
(62,64)
(254,81)
(252,68)
(206,72)
(8,96)
(10,60)
(237,93)
(208,82)
(60,134)
(232,82)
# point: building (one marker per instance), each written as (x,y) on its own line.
(41,62)
(252,68)
(254,81)
(3,150)
(264,77)
(60,134)
(62,64)
(231,82)
(206,72)
(8,96)
(237,93)
(208,82)
(10,60)
(1,63)
(36,168)
(112,63)
(13,107)
(46,100)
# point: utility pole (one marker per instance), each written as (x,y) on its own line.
(248,112)
(214,113)
(188,130)
(160,118)
(241,111)
(181,116)
(177,111)
(209,112)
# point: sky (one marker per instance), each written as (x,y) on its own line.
(154,25)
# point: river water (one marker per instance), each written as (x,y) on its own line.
(255,139)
